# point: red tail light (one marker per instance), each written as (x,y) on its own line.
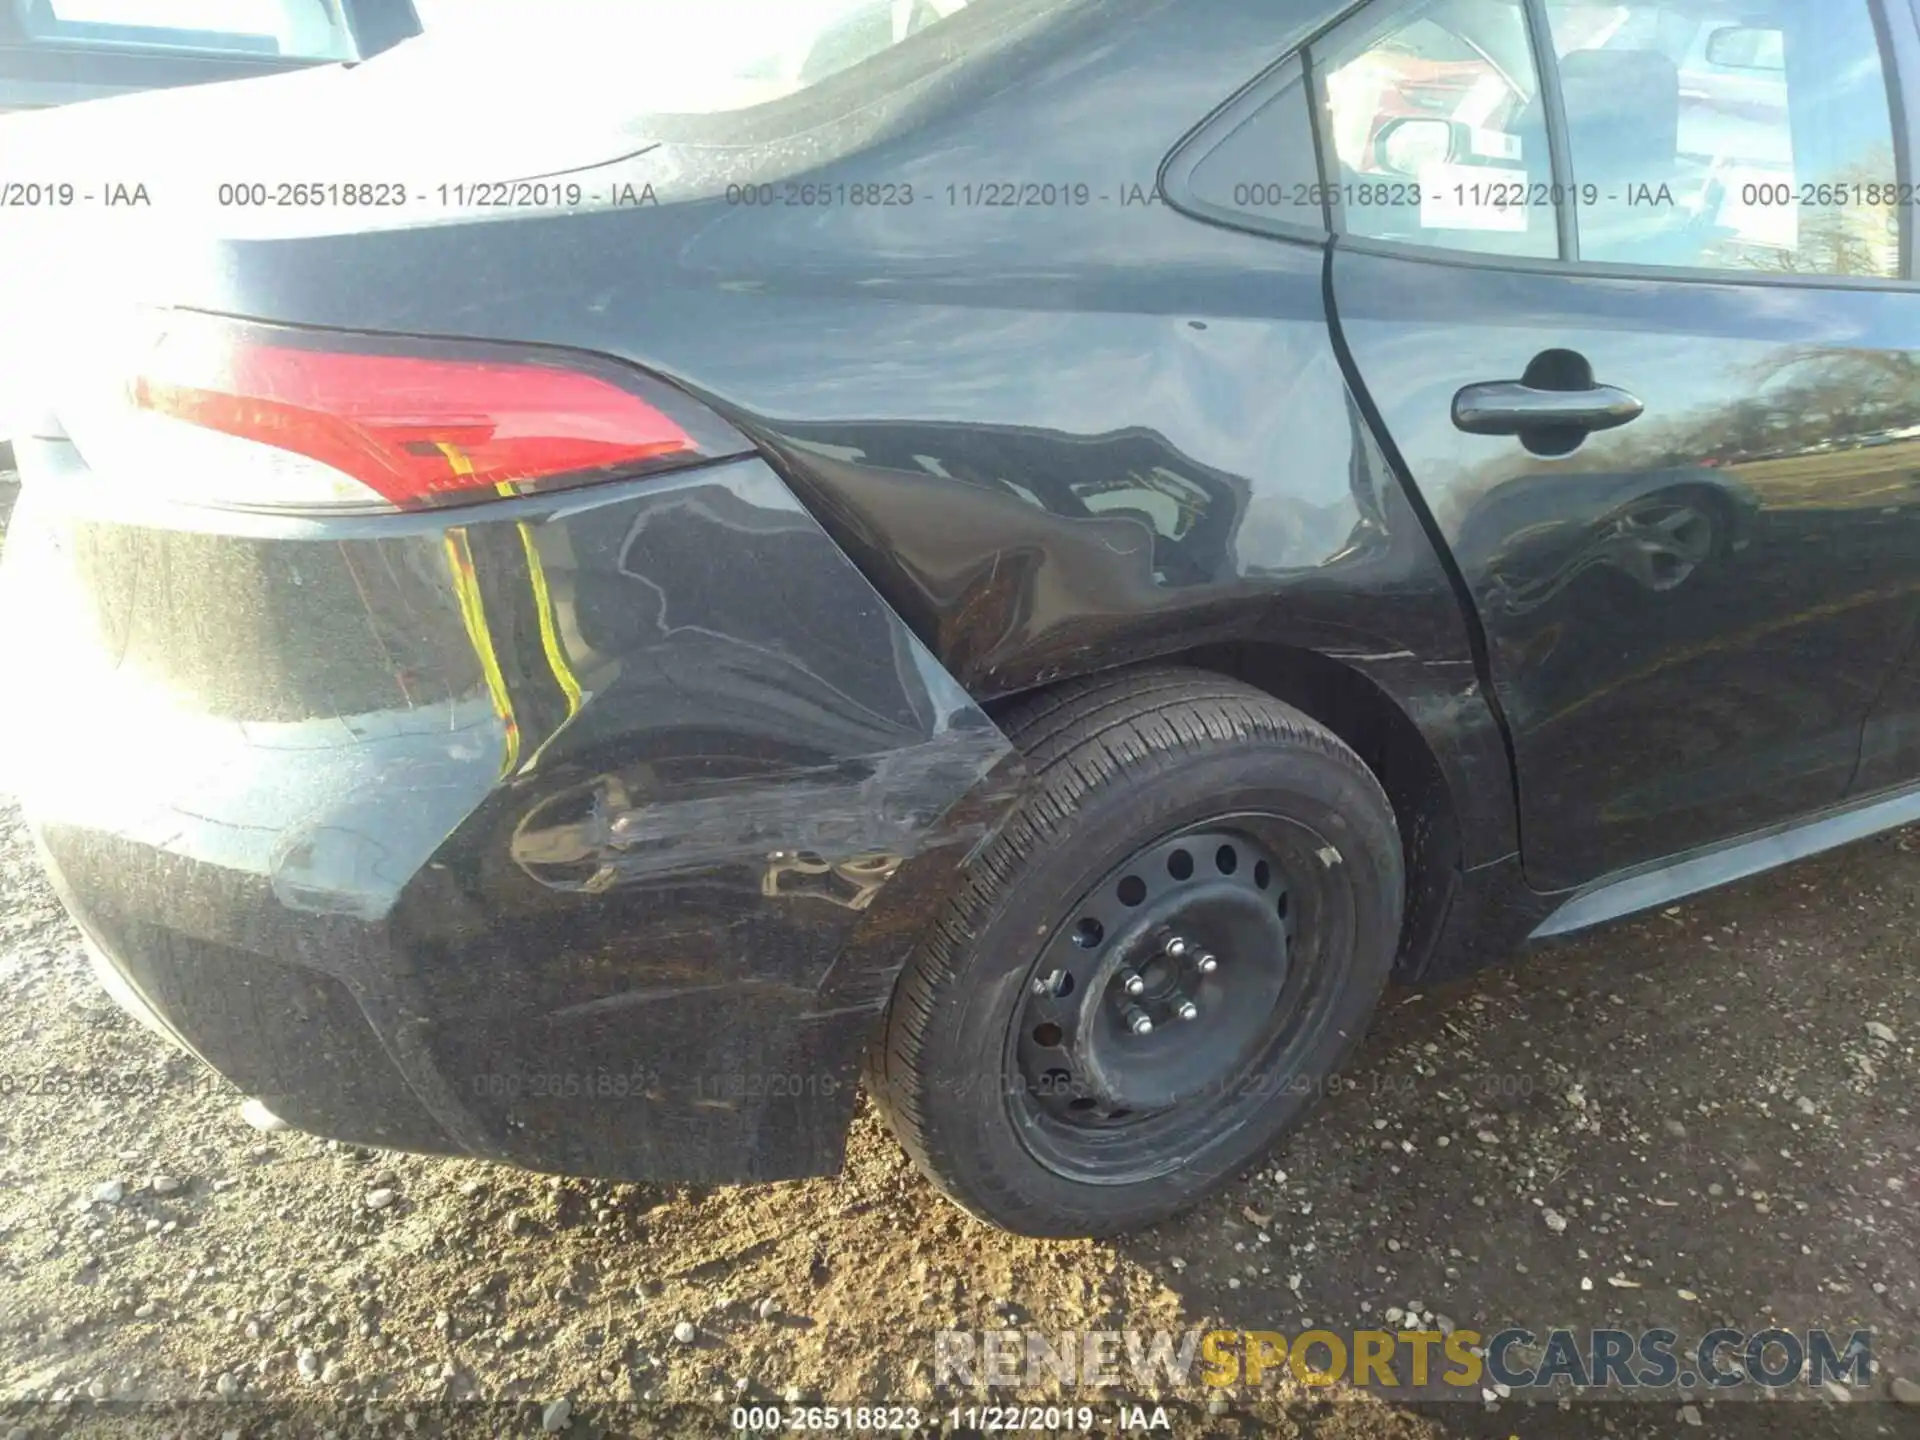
(415,423)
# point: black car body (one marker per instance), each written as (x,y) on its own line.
(588,828)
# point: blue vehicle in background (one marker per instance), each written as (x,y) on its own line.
(55,52)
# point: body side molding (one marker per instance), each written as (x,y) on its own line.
(1715,865)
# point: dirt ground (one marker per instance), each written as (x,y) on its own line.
(1680,1121)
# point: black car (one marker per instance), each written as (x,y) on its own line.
(1038,551)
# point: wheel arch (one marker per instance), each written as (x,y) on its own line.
(1378,726)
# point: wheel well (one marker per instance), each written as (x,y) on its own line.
(1381,734)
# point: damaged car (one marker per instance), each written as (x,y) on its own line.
(1025,556)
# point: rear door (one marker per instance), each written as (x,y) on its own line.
(1625,284)
(56,52)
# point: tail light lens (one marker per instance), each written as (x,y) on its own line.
(242,415)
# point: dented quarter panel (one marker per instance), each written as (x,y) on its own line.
(573,844)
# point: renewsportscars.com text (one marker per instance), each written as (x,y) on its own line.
(1511,1359)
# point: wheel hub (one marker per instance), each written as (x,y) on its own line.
(1160,986)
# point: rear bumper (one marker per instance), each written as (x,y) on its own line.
(585,833)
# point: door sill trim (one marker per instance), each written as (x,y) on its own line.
(1721,864)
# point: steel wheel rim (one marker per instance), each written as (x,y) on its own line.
(1099,1098)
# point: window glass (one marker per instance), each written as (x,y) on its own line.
(1745,135)
(297,29)
(1266,169)
(1436,123)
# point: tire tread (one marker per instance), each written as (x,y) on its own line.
(1077,738)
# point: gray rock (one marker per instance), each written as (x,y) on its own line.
(557,1416)
(768,1308)
(381,1198)
(164,1184)
(684,1333)
(1906,1391)
(309,1364)
(108,1192)
(1689,1415)
(226,1387)
(261,1118)
(1881,1032)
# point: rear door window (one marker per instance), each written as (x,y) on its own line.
(1436,127)
(1747,136)
(1731,137)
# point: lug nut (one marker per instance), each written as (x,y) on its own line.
(1177,948)
(1188,1010)
(1206,964)
(1138,1021)
(1132,983)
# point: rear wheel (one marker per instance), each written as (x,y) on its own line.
(1154,966)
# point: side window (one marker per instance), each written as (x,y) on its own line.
(1265,169)
(1437,129)
(1724,136)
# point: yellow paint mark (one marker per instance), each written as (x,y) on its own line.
(466,589)
(549,633)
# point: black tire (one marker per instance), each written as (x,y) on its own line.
(1125,766)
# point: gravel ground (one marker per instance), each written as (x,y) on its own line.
(1700,1117)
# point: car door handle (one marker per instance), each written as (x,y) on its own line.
(1509,407)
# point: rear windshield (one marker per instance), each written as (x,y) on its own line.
(694,57)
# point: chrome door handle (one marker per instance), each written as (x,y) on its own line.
(1508,407)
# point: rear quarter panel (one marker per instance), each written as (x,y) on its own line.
(1058,436)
